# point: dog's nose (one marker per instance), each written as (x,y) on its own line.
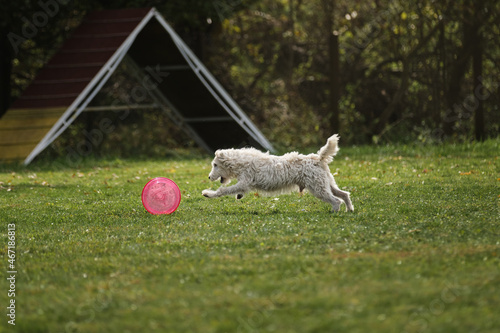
(208,177)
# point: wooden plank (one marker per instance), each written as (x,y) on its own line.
(38,112)
(22,129)
(63,101)
(56,88)
(29,119)
(16,152)
(27,123)
(22,136)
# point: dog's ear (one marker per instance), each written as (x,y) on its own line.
(220,155)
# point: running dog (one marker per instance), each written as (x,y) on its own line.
(262,172)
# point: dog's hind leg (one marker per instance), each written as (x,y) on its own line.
(345,196)
(325,194)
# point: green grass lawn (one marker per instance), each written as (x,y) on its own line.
(419,254)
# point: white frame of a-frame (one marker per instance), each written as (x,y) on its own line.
(206,78)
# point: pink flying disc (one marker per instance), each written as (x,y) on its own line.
(161,196)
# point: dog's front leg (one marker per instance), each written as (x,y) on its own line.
(240,189)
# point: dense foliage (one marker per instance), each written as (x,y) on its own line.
(406,68)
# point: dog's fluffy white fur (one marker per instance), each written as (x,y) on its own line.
(258,171)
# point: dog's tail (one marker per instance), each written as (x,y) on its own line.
(329,150)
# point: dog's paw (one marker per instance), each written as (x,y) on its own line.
(336,209)
(239,196)
(208,193)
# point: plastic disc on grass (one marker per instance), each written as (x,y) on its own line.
(161,196)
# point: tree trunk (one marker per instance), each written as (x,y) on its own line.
(334,78)
(332,115)
(291,42)
(454,96)
(477,71)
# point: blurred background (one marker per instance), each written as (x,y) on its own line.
(374,71)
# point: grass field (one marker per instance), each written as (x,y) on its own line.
(419,254)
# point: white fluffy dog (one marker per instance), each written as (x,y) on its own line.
(258,171)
